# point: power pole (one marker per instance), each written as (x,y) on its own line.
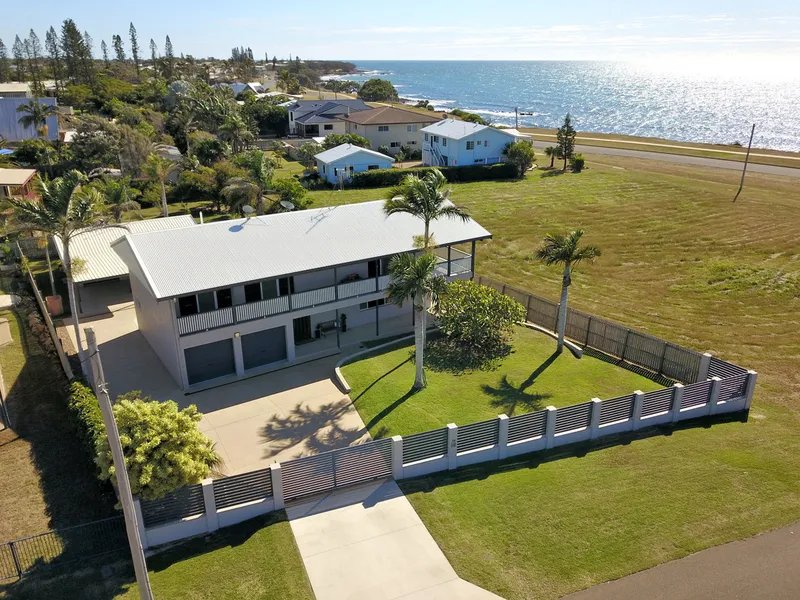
(123,483)
(746,160)
(516,118)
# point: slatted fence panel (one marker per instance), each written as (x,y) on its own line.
(577,325)
(616,409)
(368,461)
(8,568)
(607,337)
(732,387)
(696,394)
(577,416)
(644,350)
(720,368)
(657,402)
(421,446)
(239,489)
(308,475)
(185,502)
(477,435)
(524,427)
(680,364)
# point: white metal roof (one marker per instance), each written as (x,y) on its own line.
(345,151)
(227,253)
(454,129)
(94,247)
(16,177)
(15,88)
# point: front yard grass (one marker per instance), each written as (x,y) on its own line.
(532,377)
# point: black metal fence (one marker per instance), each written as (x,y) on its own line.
(62,547)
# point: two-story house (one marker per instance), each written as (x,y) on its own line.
(318,118)
(453,143)
(390,127)
(231,299)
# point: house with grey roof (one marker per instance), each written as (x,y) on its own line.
(338,164)
(232,299)
(318,118)
(454,143)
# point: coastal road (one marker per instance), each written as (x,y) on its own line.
(764,566)
(680,158)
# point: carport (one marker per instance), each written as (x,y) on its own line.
(101,277)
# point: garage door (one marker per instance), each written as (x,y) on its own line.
(263,347)
(209,361)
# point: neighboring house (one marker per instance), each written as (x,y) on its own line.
(16,182)
(342,161)
(10,127)
(232,299)
(310,118)
(238,87)
(459,143)
(15,90)
(390,127)
(102,280)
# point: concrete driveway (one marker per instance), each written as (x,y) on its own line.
(294,412)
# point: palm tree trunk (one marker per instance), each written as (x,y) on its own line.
(419,380)
(552,160)
(424,320)
(73,304)
(50,268)
(164,209)
(562,308)
(260,203)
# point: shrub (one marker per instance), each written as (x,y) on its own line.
(577,162)
(468,116)
(86,416)
(337,139)
(193,186)
(521,155)
(378,90)
(384,150)
(209,150)
(390,177)
(291,190)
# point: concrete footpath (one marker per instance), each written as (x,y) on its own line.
(764,566)
(368,542)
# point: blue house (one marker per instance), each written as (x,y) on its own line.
(452,143)
(341,162)
(10,127)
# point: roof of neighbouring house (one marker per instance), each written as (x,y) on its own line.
(226,253)
(329,106)
(94,247)
(345,150)
(16,177)
(455,129)
(388,115)
(14,88)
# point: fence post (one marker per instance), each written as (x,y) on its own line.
(625,344)
(277,485)
(452,446)
(397,457)
(212,521)
(663,357)
(15,557)
(677,398)
(140,524)
(550,427)
(638,403)
(751,387)
(705,363)
(713,396)
(502,436)
(595,422)
(588,330)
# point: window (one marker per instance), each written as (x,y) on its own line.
(291,116)
(372,304)
(329,127)
(470,145)
(252,292)
(412,142)
(206,302)
(479,142)
(394,144)
(285,286)
(323,168)
(373,167)
(224,298)
(479,160)
(383,128)
(187,305)
(444,141)
(411,128)
(436,139)
(486,143)
(355,125)
(426,137)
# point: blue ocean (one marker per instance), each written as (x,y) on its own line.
(609,97)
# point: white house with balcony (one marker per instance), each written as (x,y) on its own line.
(232,299)
(453,143)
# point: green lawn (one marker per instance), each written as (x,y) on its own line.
(532,377)
(257,560)
(680,261)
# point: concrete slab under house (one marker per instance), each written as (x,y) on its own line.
(234,299)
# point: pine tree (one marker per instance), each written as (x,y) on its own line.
(104,50)
(565,140)
(72,48)
(169,59)
(33,51)
(134,47)
(19,61)
(119,49)
(54,54)
(154,55)
(5,68)
(87,58)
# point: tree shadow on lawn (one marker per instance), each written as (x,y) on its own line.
(445,356)
(532,460)
(508,397)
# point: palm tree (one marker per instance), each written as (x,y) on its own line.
(260,170)
(119,196)
(414,277)
(236,132)
(426,198)
(158,169)
(36,116)
(63,209)
(550,151)
(562,249)
(187,122)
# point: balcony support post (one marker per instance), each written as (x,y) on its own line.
(472,259)
(336,283)
(449,261)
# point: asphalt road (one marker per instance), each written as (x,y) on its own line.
(764,566)
(679,158)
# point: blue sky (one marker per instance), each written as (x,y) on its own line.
(515,29)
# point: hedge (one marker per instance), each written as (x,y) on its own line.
(389,177)
(85,413)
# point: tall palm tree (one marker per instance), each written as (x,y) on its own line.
(63,209)
(187,121)
(550,152)
(414,277)
(36,115)
(158,169)
(260,169)
(426,198)
(563,249)
(119,196)
(236,132)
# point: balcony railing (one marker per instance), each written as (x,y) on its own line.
(274,306)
